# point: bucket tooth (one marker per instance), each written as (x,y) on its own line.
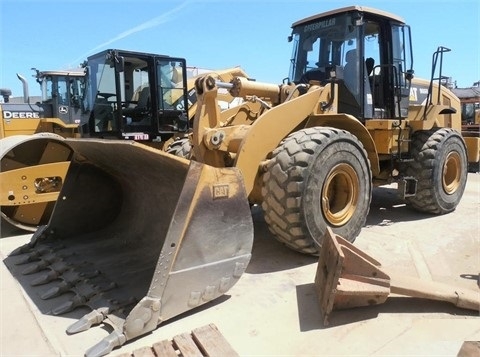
(69,305)
(69,279)
(56,270)
(45,278)
(54,291)
(105,346)
(84,292)
(33,255)
(46,262)
(28,258)
(101,308)
(35,268)
(40,265)
(26,248)
(59,289)
(94,317)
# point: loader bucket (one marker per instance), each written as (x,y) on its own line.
(33,168)
(140,236)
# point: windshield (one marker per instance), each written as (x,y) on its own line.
(322,44)
(67,90)
(369,55)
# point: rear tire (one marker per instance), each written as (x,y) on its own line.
(440,166)
(317,177)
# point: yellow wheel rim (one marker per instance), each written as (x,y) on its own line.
(340,194)
(452,173)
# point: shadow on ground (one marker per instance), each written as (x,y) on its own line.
(269,255)
(8,230)
(388,208)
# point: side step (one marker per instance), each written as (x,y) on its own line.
(407,187)
(203,341)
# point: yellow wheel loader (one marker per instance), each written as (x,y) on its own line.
(351,118)
(60,109)
(27,199)
(140,235)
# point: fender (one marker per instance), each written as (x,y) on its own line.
(353,125)
(270,129)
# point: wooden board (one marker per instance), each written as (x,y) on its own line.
(202,342)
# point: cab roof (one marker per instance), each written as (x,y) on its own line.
(76,72)
(363,9)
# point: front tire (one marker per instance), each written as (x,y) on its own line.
(317,177)
(181,147)
(440,166)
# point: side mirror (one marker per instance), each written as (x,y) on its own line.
(409,74)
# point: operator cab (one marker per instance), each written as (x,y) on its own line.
(136,96)
(366,52)
(63,94)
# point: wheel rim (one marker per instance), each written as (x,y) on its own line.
(339,194)
(452,173)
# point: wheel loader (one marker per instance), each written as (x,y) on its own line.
(139,235)
(352,117)
(34,167)
(59,113)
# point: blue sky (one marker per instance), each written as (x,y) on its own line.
(214,34)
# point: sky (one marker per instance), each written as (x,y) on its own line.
(214,34)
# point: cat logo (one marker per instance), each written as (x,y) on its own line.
(63,109)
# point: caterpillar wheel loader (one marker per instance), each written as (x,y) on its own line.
(34,167)
(58,114)
(311,150)
(129,234)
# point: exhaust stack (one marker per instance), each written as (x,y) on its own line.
(26,95)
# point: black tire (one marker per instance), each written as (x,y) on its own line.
(181,147)
(317,177)
(440,166)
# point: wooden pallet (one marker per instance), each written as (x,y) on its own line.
(203,341)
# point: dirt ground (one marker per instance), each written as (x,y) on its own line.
(273,309)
